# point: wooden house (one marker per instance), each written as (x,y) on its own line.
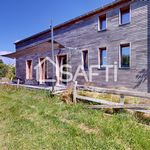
(118,32)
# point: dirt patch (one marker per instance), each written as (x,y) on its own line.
(87,129)
(81,126)
(66,121)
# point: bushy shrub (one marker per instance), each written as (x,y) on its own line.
(7,71)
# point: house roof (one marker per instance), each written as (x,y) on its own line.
(30,50)
(84,16)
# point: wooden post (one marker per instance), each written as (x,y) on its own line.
(18,82)
(122,99)
(75,92)
(53,57)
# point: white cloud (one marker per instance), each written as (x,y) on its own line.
(6,60)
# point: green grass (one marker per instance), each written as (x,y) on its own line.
(32,120)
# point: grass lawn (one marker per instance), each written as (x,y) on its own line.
(32,120)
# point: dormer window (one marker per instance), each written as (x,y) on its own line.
(125,15)
(102,23)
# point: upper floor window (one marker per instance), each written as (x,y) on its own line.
(103,57)
(102,23)
(125,15)
(125,56)
(85,60)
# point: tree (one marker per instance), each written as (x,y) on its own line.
(7,71)
(3,70)
(10,74)
(1,61)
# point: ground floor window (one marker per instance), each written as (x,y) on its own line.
(125,56)
(29,69)
(85,60)
(102,57)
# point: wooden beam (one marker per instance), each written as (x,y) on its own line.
(100,101)
(121,99)
(18,83)
(125,106)
(75,92)
(115,91)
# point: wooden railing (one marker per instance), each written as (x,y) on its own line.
(121,93)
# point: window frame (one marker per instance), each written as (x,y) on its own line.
(120,15)
(82,59)
(100,57)
(120,55)
(99,22)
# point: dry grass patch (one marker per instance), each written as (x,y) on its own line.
(67,95)
(81,126)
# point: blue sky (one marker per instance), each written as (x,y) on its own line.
(22,18)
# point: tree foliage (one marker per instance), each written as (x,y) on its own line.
(7,71)
(1,61)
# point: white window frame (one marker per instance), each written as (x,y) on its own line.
(130,16)
(99,22)
(121,44)
(99,58)
(82,61)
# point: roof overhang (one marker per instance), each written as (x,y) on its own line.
(30,50)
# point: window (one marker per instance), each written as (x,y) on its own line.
(85,60)
(125,56)
(103,57)
(29,69)
(125,15)
(102,23)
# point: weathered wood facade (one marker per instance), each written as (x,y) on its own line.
(82,33)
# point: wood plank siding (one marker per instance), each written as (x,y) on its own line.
(84,35)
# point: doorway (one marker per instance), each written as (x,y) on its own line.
(29,70)
(43,70)
(61,76)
